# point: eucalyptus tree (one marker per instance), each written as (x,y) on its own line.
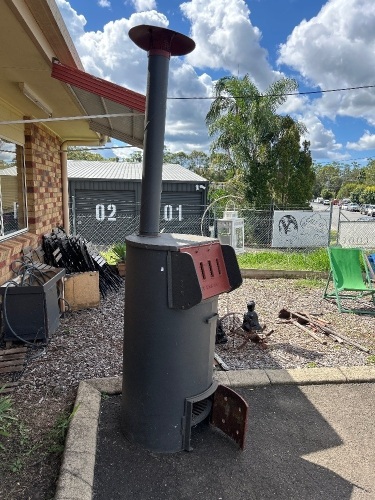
(245,128)
(327,177)
(294,176)
(83,153)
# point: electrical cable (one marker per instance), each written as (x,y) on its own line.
(31,344)
(308,92)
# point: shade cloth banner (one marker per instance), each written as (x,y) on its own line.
(300,229)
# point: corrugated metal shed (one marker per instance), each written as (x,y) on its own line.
(126,171)
(106,199)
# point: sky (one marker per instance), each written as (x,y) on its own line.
(324,45)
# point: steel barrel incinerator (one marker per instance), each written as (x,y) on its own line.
(173,282)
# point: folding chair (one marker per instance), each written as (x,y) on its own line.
(348,281)
(370,260)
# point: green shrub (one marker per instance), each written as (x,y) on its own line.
(115,254)
(6,416)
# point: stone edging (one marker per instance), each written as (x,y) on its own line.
(281,273)
(76,477)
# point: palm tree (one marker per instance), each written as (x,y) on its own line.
(245,127)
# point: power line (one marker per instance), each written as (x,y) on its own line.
(278,95)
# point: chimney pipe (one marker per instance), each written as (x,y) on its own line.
(160,43)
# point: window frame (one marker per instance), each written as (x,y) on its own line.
(21,188)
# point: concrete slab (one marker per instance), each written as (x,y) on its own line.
(77,472)
(305,376)
(312,442)
(222,378)
(358,373)
(247,378)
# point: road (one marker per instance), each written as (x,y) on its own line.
(345,214)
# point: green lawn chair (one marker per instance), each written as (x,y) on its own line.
(348,279)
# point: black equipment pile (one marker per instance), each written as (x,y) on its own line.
(76,255)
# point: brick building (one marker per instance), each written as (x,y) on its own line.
(42,85)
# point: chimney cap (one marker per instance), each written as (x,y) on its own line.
(149,37)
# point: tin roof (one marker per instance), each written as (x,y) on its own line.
(83,169)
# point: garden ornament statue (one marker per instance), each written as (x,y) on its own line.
(250,319)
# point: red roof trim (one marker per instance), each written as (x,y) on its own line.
(98,86)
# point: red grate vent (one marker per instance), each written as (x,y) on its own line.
(210,268)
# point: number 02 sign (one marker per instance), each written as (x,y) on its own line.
(101,214)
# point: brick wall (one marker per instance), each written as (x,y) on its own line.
(43,179)
(44,194)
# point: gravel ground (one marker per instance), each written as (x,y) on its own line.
(88,344)
(288,346)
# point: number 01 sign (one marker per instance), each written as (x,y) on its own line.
(168,212)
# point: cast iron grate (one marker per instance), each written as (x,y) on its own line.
(201,409)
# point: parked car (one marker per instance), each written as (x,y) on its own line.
(371,211)
(326,202)
(353,207)
(364,208)
(344,205)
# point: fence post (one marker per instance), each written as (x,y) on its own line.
(74,223)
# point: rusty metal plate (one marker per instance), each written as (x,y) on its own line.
(229,414)
(210,268)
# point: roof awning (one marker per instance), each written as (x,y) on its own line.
(100,97)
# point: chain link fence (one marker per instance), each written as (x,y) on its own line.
(103,228)
(358,233)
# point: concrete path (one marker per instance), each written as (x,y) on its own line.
(311,436)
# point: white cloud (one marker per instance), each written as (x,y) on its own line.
(335,49)
(185,125)
(76,22)
(110,53)
(143,5)
(323,141)
(104,3)
(226,39)
(367,141)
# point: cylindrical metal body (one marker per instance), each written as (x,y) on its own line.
(156,104)
(168,353)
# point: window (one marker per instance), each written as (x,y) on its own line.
(13,217)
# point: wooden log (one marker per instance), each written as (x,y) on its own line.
(13,362)
(313,317)
(11,357)
(334,337)
(13,350)
(284,314)
(7,387)
(310,332)
(347,340)
(220,362)
(11,369)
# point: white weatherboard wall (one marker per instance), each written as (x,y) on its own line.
(299,229)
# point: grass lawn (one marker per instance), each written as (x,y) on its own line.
(316,260)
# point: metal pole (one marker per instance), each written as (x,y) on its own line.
(156,105)
(160,43)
